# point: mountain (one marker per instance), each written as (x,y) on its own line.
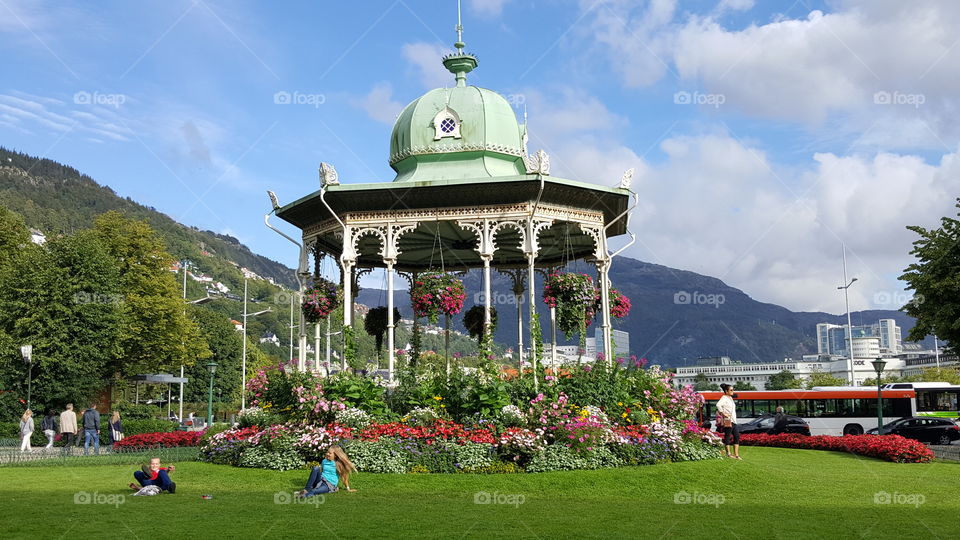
(58,199)
(677,315)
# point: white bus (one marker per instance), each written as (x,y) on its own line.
(845,410)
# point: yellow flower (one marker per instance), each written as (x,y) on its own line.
(624,415)
(442,405)
(619,404)
(438,398)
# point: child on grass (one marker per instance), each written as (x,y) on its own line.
(155,475)
(325,478)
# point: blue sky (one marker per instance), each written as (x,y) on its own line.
(764,134)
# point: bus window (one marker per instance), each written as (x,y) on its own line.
(936,400)
(796,407)
(762,407)
(818,407)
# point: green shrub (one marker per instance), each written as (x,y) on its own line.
(497,467)
(378,456)
(257,417)
(695,450)
(142,411)
(264,458)
(556,458)
(136,427)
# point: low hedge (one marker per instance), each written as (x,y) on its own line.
(888,447)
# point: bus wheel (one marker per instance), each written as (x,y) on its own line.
(852,429)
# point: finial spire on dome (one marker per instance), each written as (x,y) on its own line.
(460,63)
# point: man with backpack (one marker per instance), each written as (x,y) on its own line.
(91,429)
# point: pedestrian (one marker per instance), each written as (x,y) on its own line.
(26,431)
(335,466)
(727,410)
(91,429)
(780,421)
(68,427)
(49,427)
(116,428)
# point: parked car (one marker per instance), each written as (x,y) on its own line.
(764,424)
(923,429)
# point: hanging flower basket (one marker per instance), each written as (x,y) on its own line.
(320,300)
(434,293)
(619,304)
(575,297)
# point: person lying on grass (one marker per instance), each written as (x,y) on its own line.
(325,478)
(155,475)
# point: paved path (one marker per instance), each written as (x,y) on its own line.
(946,452)
(9,455)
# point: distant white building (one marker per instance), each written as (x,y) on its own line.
(37,237)
(832,338)
(270,337)
(621,343)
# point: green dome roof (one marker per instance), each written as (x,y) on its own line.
(456,133)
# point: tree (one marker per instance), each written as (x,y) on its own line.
(156,333)
(785,380)
(701,384)
(226,346)
(743,386)
(935,280)
(819,378)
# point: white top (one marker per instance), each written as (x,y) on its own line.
(727,407)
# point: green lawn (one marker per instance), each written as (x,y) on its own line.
(773,493)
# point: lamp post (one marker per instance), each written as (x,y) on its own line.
(212,367)
(243,380)
(27,352)
(846,299)
(878,365)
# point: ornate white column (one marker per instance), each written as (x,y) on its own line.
(602,258)
(516,278)
(485,230)
(390,252)
(348,259)
(316,346)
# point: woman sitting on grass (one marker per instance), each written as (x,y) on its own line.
(325,478)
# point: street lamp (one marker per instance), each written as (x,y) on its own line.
(243,380)
(212,367)
(27,352)
(846,300)
(878,365)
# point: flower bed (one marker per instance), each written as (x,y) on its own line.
(161,440)
(888,447)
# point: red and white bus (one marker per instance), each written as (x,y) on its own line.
(845,410)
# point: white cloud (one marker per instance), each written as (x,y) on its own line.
(804,67)
(426,58)
(488,8)
(379,104)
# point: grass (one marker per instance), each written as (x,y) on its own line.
(773,493)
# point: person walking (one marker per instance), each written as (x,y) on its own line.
(26,431)
(780,422)
(116,428)
(91,429)
(68,427)
(728,413)
(49,427)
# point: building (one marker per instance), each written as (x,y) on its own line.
(38,237)
(832,338)
(270,337)
(621,343)
(724,370)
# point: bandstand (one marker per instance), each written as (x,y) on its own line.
(466,193)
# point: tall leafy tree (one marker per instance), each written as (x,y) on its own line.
(156,333)
(743,386)
(785,380)
(226,345)
(935,280)
(702,384)
(821,378)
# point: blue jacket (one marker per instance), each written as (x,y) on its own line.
(91,419)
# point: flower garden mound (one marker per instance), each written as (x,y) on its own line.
(887,447)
